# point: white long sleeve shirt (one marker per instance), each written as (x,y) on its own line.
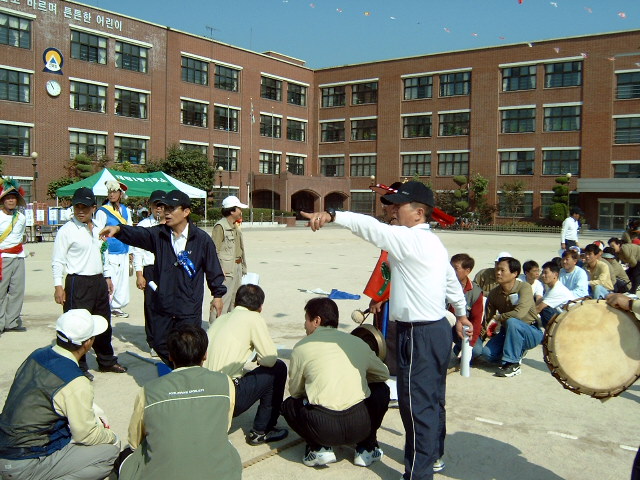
(77,249)
(141,257)
(422,280)
(15,237)
(569,230)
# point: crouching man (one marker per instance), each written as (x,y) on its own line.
(180,422)
(50,403)
(338,394)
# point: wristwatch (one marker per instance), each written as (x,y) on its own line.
(332,213)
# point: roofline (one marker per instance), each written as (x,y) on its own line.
(534,42)
(198,36)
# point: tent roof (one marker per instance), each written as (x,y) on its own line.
(139,184)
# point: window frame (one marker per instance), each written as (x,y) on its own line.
(228,160)
(363,165)
(89,47)
(226,78)
(194,114)
(455,84)
(334,163)
(562,78)
(296,97)
(272,128)
(564,164)
(296,130)
(296,164)
(332,98)
(136,59)
(327,132)
(454,124)
(420,160)
(559,119)
(631,87)
(139,104)
(413,92)
(522,164)
(414,126)
(94,95)
(16,142)
(625,135)
(119,149)
(453,163)
(21,36)
(226,118)
(271,88)
(520,123)
(91,146)
(269,163)
(12,89)
(365,93)
(194,71)
(362,127)
(521,82)
(633,170)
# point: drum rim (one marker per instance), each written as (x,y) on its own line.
(377,335)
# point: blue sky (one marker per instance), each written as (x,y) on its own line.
(328,33)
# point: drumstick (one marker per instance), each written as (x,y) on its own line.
(358,316)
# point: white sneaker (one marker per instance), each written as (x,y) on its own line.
(365,458)
(317,458)
(438,465)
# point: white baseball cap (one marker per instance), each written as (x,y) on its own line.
(503,254)
(78,325)
(233,201)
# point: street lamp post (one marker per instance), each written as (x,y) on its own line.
(373,197)
(34,157)
(220,170)
(568,193)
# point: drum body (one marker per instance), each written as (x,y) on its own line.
(372,337)
(593,349)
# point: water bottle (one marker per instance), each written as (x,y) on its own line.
(465,358)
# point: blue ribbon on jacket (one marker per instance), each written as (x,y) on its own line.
(186,263)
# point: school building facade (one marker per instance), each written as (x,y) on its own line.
(78,79)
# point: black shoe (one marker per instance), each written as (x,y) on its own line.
(16,329)
(115,368)
(273,435)
(88,375)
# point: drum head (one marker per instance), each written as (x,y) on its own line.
(594,349)
(372,337)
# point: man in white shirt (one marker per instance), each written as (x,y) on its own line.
(423,283)
(531,273)
(572,276)
(79,250)
(570,227)
(12,270)
(143,262)
(557,294)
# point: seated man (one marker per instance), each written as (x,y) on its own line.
(463,265)
(50,403)
(511,304)
(486,278)
(531,274)
(557,294)
(338,394)
(572,276)
(620,279)
(180,422)
(600,284)
(232,339)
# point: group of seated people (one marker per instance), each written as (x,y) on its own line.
(50,427)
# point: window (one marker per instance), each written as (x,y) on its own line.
(362,93)
(88,47)
(131,57)
(269,163)
(193,113)
(295,164)
(454,163)
(132,150)
(454,124)
(15,86)
(332,131)
(226,157)
(363,165)
(270,126)
(14,140)
(414,126)
(418,87)
(270,88)
(297,94)
(518,78)
(92,144)
(416,164)
(226,78)
(628,85)
(627,130)
(195,71)
(566,74)
(203,149)
(225,118)
(518,120)
(363,202)
(296,130)
(332,166)
(334,96)
(131,104)
(506,207)
(626,170)
(15,31)
(562,119)
(517,163)
(560,162)
(88,97)
(452,84)
(364,129)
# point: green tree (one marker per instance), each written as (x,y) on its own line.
(513,199)
(479,187)
(54,185)
(560,207)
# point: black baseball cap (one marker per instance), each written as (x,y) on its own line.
(84,196)
(412,192)
(157,196)
(176,198)
(393,188)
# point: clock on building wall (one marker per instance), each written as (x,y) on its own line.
(53,88)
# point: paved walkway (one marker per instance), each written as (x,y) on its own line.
(526,428)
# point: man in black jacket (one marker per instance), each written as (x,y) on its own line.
(184,256)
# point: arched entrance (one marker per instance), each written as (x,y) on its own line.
(303,201)
(265,199)
(335,200)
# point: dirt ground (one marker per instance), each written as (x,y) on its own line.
(527,427)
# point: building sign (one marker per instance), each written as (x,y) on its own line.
(77,14)
(53,61)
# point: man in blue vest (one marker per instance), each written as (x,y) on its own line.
(50,403)
(115,213)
